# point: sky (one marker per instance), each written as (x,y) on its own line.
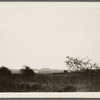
(41,35)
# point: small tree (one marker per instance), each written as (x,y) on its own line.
(27,71)
(5,71)
(80,64)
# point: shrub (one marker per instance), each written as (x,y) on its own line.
(65,72)
(27,71)
(5,71)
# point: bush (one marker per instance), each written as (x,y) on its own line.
(5,71)
(65,72)
(27,71)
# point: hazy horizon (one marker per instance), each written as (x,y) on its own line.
(41,35)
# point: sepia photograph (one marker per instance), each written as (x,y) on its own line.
(51,47)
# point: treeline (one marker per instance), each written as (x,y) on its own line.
(26,70)
(73,65)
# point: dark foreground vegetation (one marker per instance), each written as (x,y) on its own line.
(84,79)
(76,81)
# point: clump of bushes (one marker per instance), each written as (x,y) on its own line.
(5,71)
(27,71)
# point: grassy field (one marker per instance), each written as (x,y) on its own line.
(72,82)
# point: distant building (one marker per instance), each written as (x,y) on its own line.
(35,71)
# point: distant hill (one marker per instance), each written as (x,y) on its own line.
(40,71)
(48,71)
(15,71)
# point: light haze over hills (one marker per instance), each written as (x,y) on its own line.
(40,71)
